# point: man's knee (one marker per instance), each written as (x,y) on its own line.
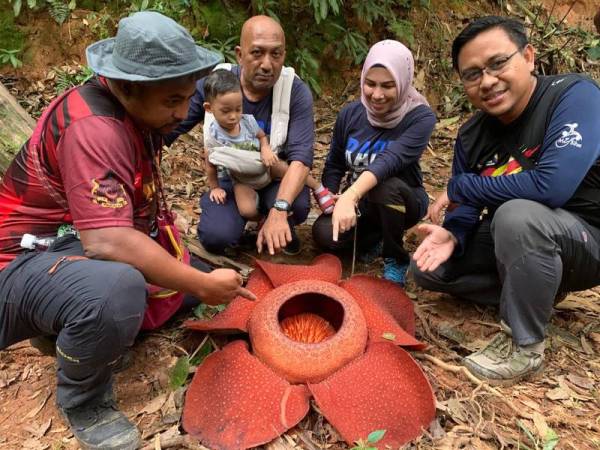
(391,190)
(426,280)
(521,225)
(124,307)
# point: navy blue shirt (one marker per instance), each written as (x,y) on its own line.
(301,134)
(571,146)
(357,146)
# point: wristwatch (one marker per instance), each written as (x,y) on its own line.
(282,205)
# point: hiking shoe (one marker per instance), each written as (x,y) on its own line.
(101,426)
(394,271)
(502,362)
(293,247)
(371,254)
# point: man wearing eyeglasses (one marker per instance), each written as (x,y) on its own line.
(523,220)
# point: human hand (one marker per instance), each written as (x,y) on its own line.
(435,249)
(275,232)
(434,212)
(344,214)
(218,195)
(222,286)
(268,156)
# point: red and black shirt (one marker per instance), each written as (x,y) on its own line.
(94,158)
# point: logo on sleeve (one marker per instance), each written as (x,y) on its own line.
(108,192)
(570,137)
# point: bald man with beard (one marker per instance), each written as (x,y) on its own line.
(285,203)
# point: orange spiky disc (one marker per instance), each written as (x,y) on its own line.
(307,327)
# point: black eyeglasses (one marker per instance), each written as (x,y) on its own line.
(494,68)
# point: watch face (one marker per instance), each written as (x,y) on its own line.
(281,205)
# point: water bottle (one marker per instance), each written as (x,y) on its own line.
(32,242)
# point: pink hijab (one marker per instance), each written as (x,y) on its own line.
(398,60)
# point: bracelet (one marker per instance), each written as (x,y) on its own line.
(355,192)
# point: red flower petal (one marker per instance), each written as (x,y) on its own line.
(235,316)
(387,309)
(236,402)
(382,390)
(324,267)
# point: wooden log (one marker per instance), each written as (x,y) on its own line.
(16,127)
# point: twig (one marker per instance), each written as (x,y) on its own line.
(325,127)
(475,380)
(177,441)
(199,347)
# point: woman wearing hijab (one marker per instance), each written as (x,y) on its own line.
(377,143)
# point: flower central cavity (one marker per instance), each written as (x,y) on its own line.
(308,328)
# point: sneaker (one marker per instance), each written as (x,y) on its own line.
(293,247)
(394,271)
(502,362)
(101,426)
(371,254)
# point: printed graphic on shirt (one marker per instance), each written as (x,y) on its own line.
(360,155)
(570,136)
(493,168)
(108,192)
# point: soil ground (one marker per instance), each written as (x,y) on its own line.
(564,399)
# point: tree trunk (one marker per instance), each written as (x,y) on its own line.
(16,127)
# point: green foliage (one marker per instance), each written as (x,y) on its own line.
(10,57)
(368,444)
(67,78)
(322,8)
(305,63)
(204,311)
(403,31)
(549,442)
(59,9)
(593,51)
(352,43)
(226,48)
(11,38)
(372,10)
(179,373)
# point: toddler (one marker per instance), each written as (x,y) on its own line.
(237,143)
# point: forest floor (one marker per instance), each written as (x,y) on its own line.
(559,409)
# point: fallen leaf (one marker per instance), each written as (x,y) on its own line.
(558,394)
(587,348)
(584,383)
(39,430)
(35,411)
(540,425)
(154,405)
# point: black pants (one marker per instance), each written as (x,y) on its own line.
(95,308)
(520,261)
(385,213)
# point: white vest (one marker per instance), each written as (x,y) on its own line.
(280,115)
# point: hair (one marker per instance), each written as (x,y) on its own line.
(512,27)
(139,88)
(220,82)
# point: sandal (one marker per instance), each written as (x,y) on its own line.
(325,200)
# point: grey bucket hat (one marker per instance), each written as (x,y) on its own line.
(149,47)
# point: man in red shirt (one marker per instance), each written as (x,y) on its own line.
(91,163)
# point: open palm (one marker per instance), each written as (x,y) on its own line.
(435,249)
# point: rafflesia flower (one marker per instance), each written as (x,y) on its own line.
(311,335)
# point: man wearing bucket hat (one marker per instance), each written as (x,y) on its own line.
(91,165)
(285,202)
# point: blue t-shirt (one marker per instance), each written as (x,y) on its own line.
(246,140)
(357,146)
(301,134)
(557,174)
